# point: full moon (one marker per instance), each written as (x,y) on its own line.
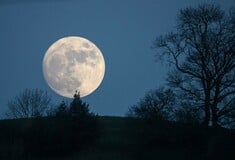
(73,63)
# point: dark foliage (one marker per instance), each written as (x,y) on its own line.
(70,130)
(156,105)
(188,114)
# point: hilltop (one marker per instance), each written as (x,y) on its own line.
(123,138)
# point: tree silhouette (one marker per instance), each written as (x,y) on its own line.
(29,103)
(77,107)
(187,114)
(68,130)
(202,52)
(62,110)
(156,104)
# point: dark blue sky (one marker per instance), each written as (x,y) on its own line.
(122,29)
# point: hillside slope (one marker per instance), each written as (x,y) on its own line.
(131,139)
(124,138)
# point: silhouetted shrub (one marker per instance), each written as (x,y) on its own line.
(69,130)
(188,114)
(156,105)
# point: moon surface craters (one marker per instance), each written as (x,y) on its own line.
(73,63)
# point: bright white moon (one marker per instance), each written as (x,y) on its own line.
(73,63)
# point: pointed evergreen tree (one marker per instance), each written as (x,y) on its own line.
(77,107)
(62,109)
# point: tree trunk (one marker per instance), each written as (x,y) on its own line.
(207,108)
(207,116)
(214,116)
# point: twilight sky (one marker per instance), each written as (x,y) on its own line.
(122,29)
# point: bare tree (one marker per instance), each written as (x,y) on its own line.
(29,103)
(202,52)
(187,114)
(156,104)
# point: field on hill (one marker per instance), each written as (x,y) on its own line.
(126,139)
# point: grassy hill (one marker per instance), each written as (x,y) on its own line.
(126,139)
